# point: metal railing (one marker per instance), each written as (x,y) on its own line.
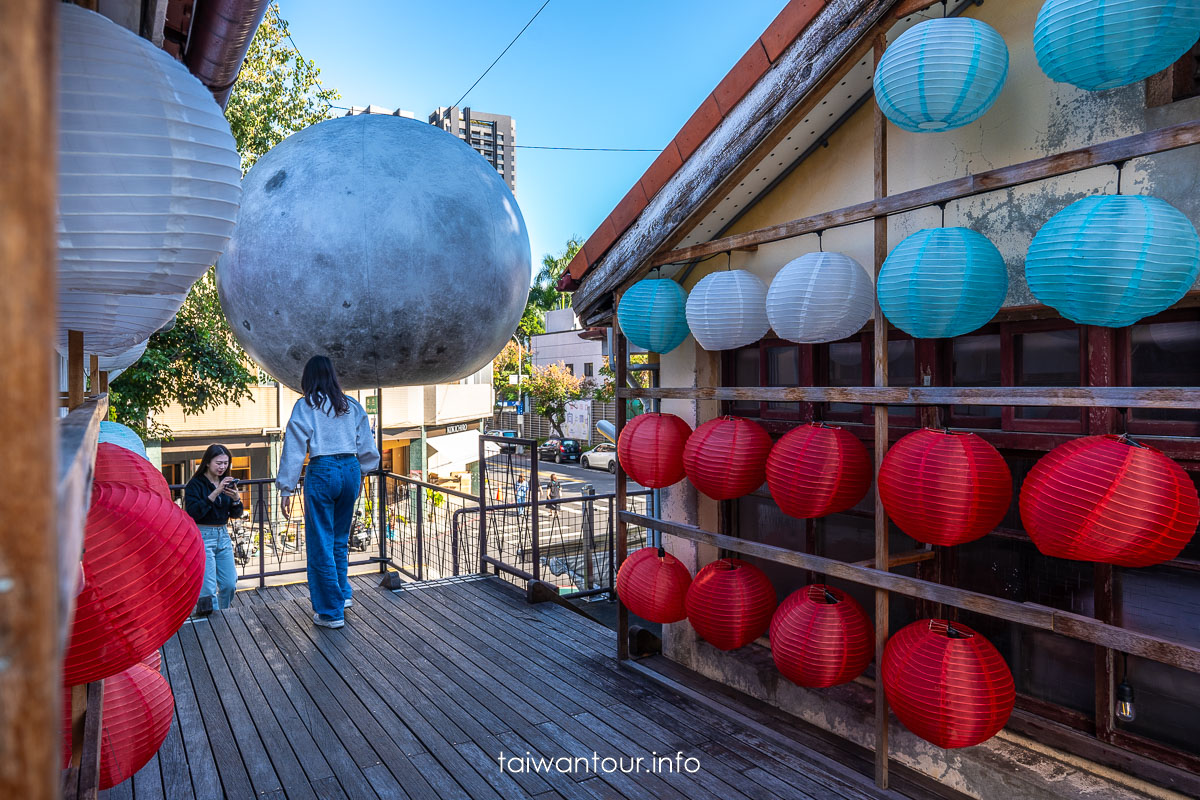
(426,531)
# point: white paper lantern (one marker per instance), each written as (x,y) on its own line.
(820,297)
(726,310)
(149,183)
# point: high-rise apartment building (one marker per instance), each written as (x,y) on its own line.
(492,135)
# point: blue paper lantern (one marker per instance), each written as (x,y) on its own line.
(1113,259)
(118,434)
(941,74)
(652,315)
(942,282)
(1101,44)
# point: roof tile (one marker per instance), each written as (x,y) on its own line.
(745,73)
(787,26)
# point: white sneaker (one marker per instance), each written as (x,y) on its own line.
(327,622)
(349,602)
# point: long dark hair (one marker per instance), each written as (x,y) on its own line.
(320,383)
(212,452)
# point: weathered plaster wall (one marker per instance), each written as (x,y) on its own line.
(1033,117)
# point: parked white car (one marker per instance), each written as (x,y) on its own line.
(602,456)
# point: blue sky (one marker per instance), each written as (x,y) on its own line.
(620,73)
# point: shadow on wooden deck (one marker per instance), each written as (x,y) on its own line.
(424,689)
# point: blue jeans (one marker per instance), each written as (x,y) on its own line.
(331,487)
(220,574)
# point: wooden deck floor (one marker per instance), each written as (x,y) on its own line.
(422,690)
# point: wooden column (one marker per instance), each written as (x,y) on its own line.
(93,374)
(882,605)
(30,671)
(620,361)
(103,382)
(74,369)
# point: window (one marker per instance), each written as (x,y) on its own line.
(1177,82)
(1056,676)
(587,369)
(570,368)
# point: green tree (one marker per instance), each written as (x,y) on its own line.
(551,388)
(198,364)
(277,93)
(544,294)
(505,365)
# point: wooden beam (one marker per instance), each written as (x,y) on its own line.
(1162,140)
(1182,397)
(75,373)
(911,557)
(30,671)
(880,353)
(1076,626)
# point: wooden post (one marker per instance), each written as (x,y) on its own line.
(104,381)
(30,652)
(620,359)
(74,369)
(93,374)
(882,606)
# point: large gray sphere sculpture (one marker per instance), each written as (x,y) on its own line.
(385,243)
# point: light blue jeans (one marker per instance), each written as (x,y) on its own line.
(220,573)
(331,485)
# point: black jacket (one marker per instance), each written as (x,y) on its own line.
(205,511)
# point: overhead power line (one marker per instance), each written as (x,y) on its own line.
(505,50)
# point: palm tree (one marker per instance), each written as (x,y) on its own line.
(544,294)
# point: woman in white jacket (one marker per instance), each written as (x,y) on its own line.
(334,431)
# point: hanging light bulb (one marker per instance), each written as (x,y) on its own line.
(1125,710)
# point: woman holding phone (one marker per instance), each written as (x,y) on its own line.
(335,433)
(211,499)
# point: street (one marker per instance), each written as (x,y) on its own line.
(572,476)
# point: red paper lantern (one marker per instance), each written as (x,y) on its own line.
(144,562)
(138,708)
(944,488)
(820,637)
(946,683)
(115,464)
(653,583)
(650,449)
(727,457)
(1109,499)
(730,603)
(154,661)
(816,470)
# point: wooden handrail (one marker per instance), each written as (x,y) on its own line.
(1076,626)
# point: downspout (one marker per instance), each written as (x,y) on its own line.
(220,37)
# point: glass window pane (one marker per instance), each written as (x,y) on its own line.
(845,369)
(1047,358)
(902,371)
(1166,354)
(783,369)
(976,362)
(745,373)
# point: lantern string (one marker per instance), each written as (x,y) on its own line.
(942,207)
(729,260)
(1120,165)
(820,241)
